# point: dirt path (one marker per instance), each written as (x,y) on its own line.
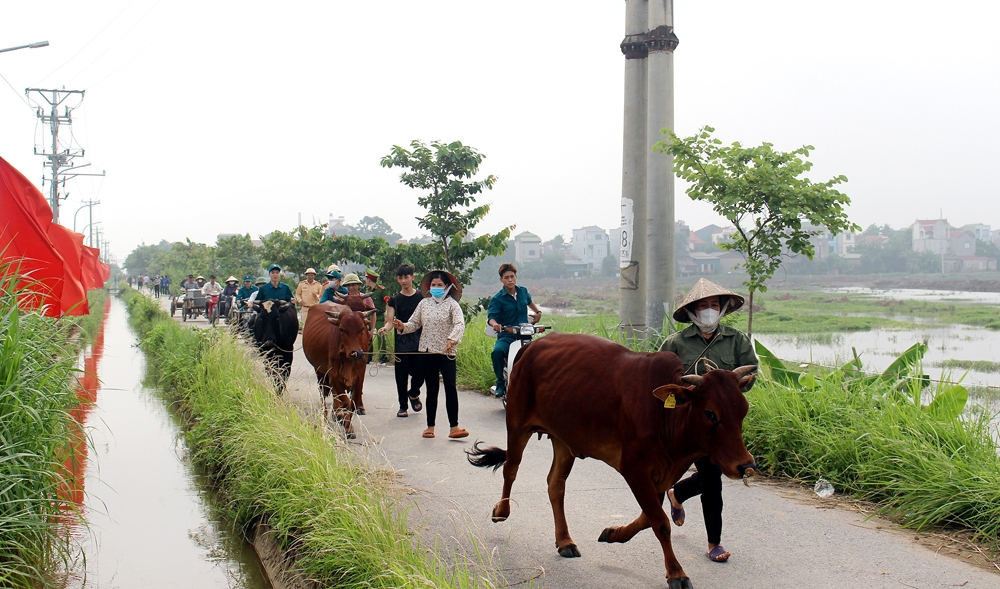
(780,537)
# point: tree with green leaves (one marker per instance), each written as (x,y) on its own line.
(762,192)
(446,170)
(236,255)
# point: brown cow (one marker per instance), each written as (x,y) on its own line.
(335,340)
(633,411)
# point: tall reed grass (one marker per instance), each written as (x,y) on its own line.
(336,514)
(923,468)
(37,369)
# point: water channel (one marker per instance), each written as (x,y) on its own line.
(151,522)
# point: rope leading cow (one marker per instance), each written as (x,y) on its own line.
(335,340)
(634,411)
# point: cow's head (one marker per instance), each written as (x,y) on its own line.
(351,344)
(715,408)
(267,326)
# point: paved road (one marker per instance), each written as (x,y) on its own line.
(780,538)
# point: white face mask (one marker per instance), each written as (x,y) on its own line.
(707,320)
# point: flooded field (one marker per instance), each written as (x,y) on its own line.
(150,514)
(917,294)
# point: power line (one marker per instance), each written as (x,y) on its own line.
(153,42)
(21,98)
(110,47)
(85,45)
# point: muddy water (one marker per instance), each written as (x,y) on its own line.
(150,514)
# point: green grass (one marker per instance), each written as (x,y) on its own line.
(869,442)
(37,378)
(977,365)
(342,518)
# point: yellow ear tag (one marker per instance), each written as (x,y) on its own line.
(670,402)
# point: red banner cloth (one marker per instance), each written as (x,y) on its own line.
(47,258)
(92,268)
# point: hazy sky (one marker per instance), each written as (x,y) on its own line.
(218,117)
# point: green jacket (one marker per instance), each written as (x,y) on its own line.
(730,349)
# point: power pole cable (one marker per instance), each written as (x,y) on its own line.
(60,160)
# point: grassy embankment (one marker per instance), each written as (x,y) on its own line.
(37,377)
(878,442)
(339,516)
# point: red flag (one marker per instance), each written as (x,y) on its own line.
(74,295)
(25,244)
(90,265)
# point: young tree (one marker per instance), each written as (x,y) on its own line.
(236,255)
(446,171)
(763,194)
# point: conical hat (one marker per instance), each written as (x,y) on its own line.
(704,289)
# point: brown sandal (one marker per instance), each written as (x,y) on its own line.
(429,432)
(458,432)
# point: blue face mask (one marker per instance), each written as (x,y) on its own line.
(437,292)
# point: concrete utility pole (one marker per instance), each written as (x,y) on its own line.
(60,161)
(89,205)
(660,267)
(632,264)
(647,260)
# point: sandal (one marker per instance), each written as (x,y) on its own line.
(429,432)
(458,432)
(416,404)
(677,515)
(718,554)
(402,413)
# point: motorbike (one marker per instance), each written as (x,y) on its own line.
(524,334)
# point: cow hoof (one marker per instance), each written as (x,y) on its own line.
(351,435)
(607,534)
(360,411)
(498,518)
(680,583)
(570,551)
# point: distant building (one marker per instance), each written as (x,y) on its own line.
(336,226)
(723,234)
(842,243)
(706,232)
(980,230)
(961,243)
(931,235)
(615,243)
(527,247)
(591,246)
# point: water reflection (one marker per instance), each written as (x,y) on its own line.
(920,294)
(151,522)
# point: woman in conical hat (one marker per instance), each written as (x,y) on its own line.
(704,346)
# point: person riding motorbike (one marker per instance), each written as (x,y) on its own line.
(245,291)
(212,290)
(508,307)
(228,294)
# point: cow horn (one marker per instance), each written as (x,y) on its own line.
(745,370)
(369,313)
(333,314)
(694,379)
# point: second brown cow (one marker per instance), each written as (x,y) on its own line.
(634,411)
(335,340)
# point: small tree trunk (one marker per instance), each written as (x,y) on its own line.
(750,318)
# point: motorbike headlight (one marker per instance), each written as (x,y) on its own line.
(527,330)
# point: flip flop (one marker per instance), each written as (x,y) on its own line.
(677,514)
(416,404)
(402,413)
(428,433)
(458,432)
(718,554)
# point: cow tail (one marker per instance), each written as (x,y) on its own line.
(486,457)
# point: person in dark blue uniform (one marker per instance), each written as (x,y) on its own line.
(335,288)
(508,307)
(275,290)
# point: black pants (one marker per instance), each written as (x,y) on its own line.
(408,366)
(156,290)
(707,482)
(434,365)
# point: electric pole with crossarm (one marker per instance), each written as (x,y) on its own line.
(60,158)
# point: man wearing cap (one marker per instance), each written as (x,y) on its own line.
(246,290)
(189,283)
(704,346)
(275,290)
(308,293)
(334,287)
